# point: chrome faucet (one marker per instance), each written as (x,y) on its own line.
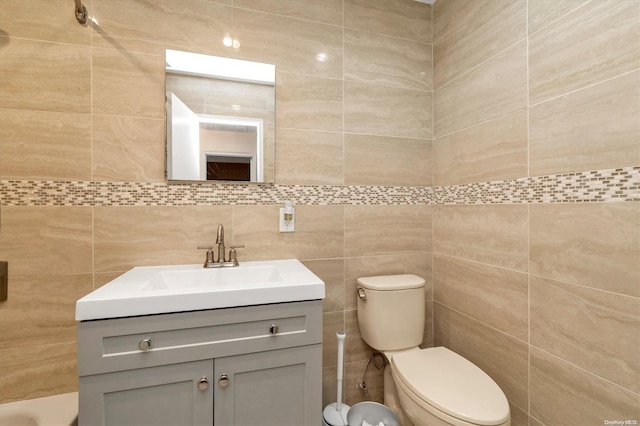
(210,261)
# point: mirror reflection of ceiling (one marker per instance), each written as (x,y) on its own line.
(196,64)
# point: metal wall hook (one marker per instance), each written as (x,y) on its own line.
(81,12)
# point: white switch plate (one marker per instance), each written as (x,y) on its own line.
(287,225)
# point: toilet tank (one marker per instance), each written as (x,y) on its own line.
(391,311)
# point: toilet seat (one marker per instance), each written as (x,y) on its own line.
(450,383)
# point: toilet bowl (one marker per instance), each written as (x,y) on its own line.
(433,386)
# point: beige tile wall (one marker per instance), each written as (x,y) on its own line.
(84,103)
(544,297)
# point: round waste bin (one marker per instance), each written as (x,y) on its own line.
(371,413)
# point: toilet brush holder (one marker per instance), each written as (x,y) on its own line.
(335,414)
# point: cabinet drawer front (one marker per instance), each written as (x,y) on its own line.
(137,342)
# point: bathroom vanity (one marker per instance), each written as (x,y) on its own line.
(257,364)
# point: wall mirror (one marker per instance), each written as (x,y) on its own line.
(220,118)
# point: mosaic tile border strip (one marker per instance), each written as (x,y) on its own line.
(78,193)
(621,184)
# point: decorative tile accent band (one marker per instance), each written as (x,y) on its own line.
(621,184)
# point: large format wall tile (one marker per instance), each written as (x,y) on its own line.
(36,371)
(562,394)
(318,233)
(446,14)
(387,111)
(291,44)
(128,149)
(595,245)
(493,150)
(331,271)
(398,18)
(375,230)
(309,157)
(576,50)
(495,296)
(40,310)
(45,76)
(125,83)
(125,237)
(46,238)
(389,61)
(324,11)
(519,416)
(543,12)
(592,129)
(44,145)
(496,87)
(332,322)
(356,349)
(483,30)
(491,234)
(374,380)
(309,103)
(52,20)
(592,329)
(383,160)
(152,26)
(502,357)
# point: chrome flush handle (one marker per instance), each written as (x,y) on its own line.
(361,294)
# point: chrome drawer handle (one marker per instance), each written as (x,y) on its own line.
(223,381)
(273,329)
(203,383)
(145,344)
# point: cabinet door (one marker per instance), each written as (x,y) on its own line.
(167,395)
(281,387)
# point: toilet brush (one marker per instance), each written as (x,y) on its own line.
(335,414)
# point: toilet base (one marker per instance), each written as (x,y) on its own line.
(390,397)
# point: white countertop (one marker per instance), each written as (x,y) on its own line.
(177,288)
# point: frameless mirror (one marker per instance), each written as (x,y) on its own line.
(220,118)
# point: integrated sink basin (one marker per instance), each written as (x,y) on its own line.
(162,289)
(218,278)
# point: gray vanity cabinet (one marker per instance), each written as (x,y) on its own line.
(259,365)
(167,395)
(269,388)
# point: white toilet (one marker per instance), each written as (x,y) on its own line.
(432,386)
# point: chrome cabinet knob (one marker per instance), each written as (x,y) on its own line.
(203,383)
(273,329)
(145,344)
(223,381)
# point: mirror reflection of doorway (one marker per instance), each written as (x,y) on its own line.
(228,168)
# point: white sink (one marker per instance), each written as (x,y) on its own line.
(217,277)
(161,289)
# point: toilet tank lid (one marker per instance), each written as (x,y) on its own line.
(391,282)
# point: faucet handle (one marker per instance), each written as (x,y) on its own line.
(233,256)
(209,250)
